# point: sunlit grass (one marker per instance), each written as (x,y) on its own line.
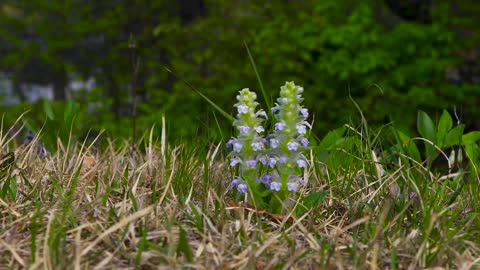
(170,205)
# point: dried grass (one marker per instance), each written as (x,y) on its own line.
(113,209)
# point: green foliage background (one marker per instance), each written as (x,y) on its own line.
(390,66)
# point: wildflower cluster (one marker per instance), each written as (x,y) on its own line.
(275,160)
(249,144)
(288,140)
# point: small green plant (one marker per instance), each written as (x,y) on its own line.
(270,167)
(444,136)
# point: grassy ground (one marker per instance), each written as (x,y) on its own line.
(169,206)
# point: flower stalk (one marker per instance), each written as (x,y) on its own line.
(271,167)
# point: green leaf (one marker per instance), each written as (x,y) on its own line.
(12,191)
(410,146)
(454,136)
(198,218)
(47,107)
(425,126)
(444,126)
(473,153)
(332,138)
(310,201)
(183,246)
(71,110)
(314,199)
(393,259)
(471,137)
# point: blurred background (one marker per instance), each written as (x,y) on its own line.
(393,57)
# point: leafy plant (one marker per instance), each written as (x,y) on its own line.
(446,136)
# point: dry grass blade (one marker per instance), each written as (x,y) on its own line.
(13,252)
(122,223)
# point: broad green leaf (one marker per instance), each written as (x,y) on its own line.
(425,126)
(454,136)
(471,137)
(444,126)
(332,138)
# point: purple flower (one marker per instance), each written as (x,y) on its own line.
(293,145)
(301,181)
(275,108)
(275,186)
(274,143)
(266,179)
(251,163)
(280,125)
(284,100)
(235,161)
(243,129)
(272,162)
(293,178)
(301,129)
(259,129)
(292,186)
(262,113)
(242,109)
(237,147)
(300,89)
(283,159)
(235,182)
(304,141)
(256,146)
(263,140)
(42,151)
(304,112)
(230,142)
(301,163)
(263,160)
(242,188)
